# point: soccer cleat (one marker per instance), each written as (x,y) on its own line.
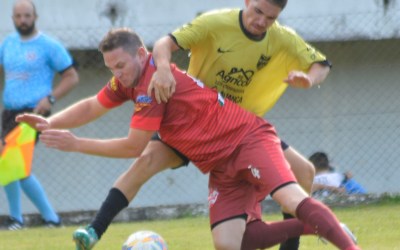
(52,224)
(347,231)
(85,238)
(13,224)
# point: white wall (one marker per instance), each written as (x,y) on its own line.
(76,22)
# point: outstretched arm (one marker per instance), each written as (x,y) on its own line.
(130,146)
(163,81)
(73,116)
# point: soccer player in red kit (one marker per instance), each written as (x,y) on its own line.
(240,151)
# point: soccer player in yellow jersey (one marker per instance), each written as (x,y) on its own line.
(251,59)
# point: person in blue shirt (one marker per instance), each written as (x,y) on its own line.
(328,181)
(29,60)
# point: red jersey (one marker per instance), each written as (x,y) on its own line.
(196,121)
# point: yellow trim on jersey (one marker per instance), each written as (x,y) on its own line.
(250,72)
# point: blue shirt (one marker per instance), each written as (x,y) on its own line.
(29,67)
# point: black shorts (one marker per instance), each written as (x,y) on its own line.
(184,159)
(8,122)
(284,145)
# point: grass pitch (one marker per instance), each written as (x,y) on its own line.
(377,227)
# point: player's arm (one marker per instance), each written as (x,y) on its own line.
(129,147)
(163,81)
(73,116)
(315,75)
(318,73)
(69,79)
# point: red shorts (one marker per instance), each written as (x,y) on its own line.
(255,168)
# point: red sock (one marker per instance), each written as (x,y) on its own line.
(262,235)
(324,223)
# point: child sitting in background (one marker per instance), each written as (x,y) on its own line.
(327,181)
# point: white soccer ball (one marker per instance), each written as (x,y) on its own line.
(145,240)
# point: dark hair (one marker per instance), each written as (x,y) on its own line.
(320,160)
(121,38)
(280,3)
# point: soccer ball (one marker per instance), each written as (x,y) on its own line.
(145,240)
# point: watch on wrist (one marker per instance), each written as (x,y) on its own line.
(51,99)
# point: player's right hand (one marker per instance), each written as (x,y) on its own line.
(163,83)
(35,121)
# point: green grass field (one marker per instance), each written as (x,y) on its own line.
(376,226)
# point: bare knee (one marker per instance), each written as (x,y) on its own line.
(302,168)
(143,169)
(289,197)
(229,234)
(138,173)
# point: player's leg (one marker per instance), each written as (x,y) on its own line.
(312,212)
(35,192)
(156,157)
(13,193)
(301,167)
(304,171)
(261,235)
(227,235)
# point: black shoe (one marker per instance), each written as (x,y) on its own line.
(13,224)
(52,224)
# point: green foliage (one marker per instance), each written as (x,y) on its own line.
(376,227)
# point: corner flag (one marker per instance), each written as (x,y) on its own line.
(16,158)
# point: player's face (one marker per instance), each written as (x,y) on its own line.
(127,68)
(259,15)
(24,18)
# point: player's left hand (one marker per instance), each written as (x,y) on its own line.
(35,121)
(43,107)
(298,79)
(163,83)
(59,139)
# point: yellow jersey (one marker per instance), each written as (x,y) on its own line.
(244,69)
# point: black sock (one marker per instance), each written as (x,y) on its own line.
(292,243)
(113,204)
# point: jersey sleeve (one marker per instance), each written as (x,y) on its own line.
(148,113)
(192,33)
(301,52)
(112,95)
(59,57)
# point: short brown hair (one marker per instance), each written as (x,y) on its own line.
(121,38)
(280,3)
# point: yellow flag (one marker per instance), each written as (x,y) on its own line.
(16,158)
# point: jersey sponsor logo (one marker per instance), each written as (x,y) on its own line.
(113,84)
(238,77)
(222,51)
(233,98)
(254,171)
(263,61)
(142,101)
(212,196)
